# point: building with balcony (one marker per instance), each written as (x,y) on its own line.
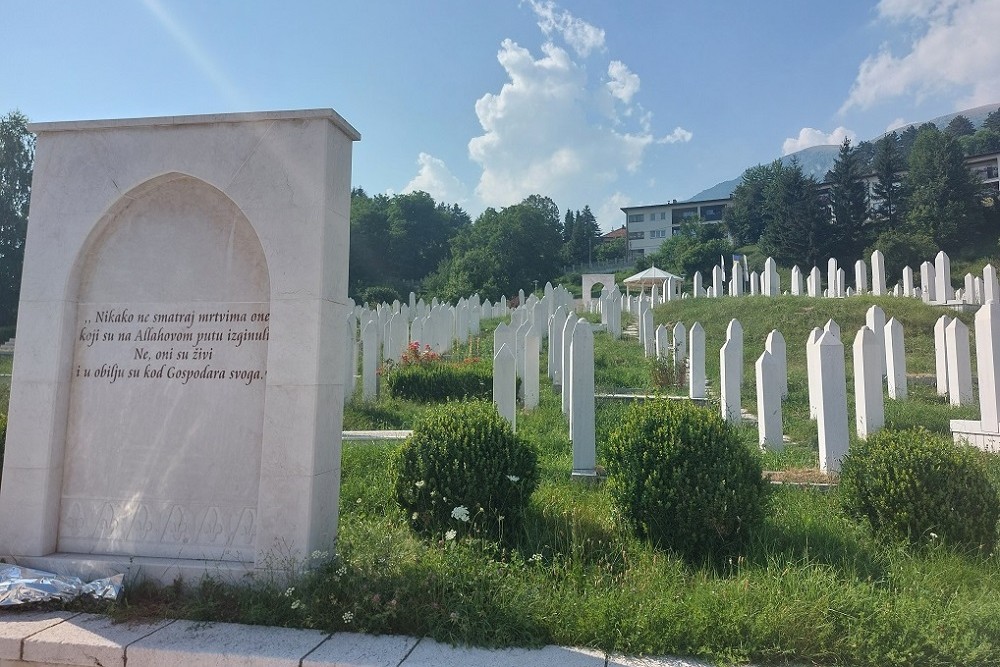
(649,226)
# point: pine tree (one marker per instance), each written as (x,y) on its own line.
(799,229)
(992,121)
(944,198)
(887,191)
(849,201)
(959,126)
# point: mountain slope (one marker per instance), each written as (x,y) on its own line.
(816,161)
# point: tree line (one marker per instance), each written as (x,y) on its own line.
(408,242)
(922,197)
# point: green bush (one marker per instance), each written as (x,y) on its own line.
(681,478)
(440,382)
(465,455)
(916,486)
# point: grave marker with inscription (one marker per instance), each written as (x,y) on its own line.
(176,408)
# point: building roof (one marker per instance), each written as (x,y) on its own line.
(619,233)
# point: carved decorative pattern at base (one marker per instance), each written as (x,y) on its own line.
(161,529)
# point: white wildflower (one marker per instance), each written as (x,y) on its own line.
(297,604)
(420,484)
(348,617)
(450,535)
(461,513)
(289,591)
(514,478)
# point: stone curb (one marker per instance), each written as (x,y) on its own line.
(44,639)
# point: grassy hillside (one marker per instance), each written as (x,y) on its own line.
(795,318)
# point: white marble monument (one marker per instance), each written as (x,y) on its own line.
(176,401)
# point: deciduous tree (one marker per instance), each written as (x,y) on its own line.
(17,152)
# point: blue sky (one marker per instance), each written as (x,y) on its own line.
(483,102)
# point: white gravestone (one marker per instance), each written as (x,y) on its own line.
(942,273)
(730,363)
(895,360)
(734,332)
(831,414)
(718,280)
(768,403)
(662,342)
(771,284)
(928,284)
(860,277)
(941,355)
(532,350)
(796,281)
(869,405)
(875,320)
(959,363)
(567,338)
(180,373)
(369,362)
(696,361)
(812,370)
(815,282)
(878,274)
(505,384)
(991,291)
(582,426)
(908,282)
(831,277)
(680,345)
(775,346)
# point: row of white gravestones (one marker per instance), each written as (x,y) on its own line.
(394,327)
(935,282)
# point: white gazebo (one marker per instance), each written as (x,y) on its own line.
(652,277)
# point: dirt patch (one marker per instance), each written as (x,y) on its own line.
(800,476)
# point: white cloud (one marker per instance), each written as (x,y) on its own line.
(896,124)
(623,83)
(810,136)
(581,36)
(679,135)
(609,212)
(955,50)
(435,179)
(540,134)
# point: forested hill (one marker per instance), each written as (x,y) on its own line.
(816,161)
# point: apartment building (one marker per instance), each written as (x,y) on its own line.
(649,226)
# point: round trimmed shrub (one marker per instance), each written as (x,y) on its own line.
(916,486)
(464,469)
(681,478)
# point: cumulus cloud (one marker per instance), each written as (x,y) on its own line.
(581,36)
(555,128)
(539,133)
(623,83)
(810,136)
(955,50)
(436,179)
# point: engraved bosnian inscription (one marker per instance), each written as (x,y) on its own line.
(179,344)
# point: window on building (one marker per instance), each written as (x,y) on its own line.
(636,217)
(712,213)
(683,214)
(635,236)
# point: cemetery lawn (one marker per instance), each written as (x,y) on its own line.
(813,586)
